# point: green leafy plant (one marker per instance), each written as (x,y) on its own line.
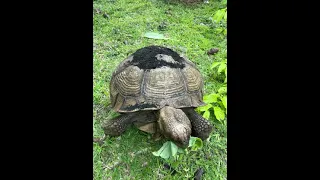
(216,102)
(224,2)
(176,156)
(170,150)
(220,17)
(222,67)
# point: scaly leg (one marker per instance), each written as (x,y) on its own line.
(118,125)
(200,126)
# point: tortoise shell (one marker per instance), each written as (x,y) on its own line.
(154,77)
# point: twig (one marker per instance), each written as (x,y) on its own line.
(198,174)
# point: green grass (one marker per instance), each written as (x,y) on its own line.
(192,33)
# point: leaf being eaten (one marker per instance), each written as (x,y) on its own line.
(168,149)
(195,143)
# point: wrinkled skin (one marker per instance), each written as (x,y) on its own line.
(201,127)
(175,124)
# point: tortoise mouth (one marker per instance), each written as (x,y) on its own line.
(175,125)
(182,144)
(182,136)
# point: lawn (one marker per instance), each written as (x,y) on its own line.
(119,26)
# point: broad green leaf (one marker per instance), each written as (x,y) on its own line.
(224,101)
(173,148)
(222,90)
(211,98)
(214,64)
(195,143)
(222,67)
(220,104)
(219,113)
(225,16)
(180,150)
(191,141)
(164,146)
(168,149)
(198,110)
(206,114)
(204,108)
(224,2)
(154,35)
(219,15)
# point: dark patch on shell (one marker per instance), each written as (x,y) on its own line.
(140,106)
(145,58)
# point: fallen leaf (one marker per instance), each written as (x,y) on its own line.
(154,35)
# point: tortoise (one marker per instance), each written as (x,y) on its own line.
(157,90)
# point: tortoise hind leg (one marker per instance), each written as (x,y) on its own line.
(200,126)
(118,125)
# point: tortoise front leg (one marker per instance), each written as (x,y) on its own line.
(200,126)
(118,125)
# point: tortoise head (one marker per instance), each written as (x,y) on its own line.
(175,125)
